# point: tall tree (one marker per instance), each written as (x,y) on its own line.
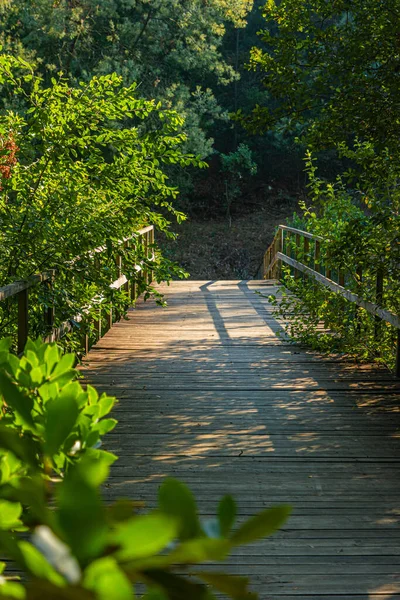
(333,67)
(169,47)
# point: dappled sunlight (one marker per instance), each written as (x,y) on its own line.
(209,394)
(388,591)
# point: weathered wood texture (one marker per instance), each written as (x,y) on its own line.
(209,394)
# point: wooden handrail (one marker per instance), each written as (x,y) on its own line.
(275,256)
(21,289)
(305,234)
(11,289)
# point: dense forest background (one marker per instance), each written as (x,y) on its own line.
(192,56)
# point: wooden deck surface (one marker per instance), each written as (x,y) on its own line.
(210,395)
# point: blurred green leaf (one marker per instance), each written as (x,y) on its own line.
(175,499)
(32,493)
(105,426)
(231,585)
(226,514)
(121,510)
(22,447)
(190,552)
(61,416)
(12,590)
(107,580)
(155,594)
(37,565)
(10,513)
(144,535)
(82,522)
(177,588)
(18,401)
(261,525)
(39,589)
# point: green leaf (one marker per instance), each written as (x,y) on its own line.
(10,513)
(231,585)
(94,468)
(37,565)
(18,401)
(61,416)
(40,589)
(32,493)
(226,514)
(83,524)
(11,589)
(144,536)
(107,580)
(188,553)
(65,364)
(10,547)
(121,510)
(51,357)
(155,594)
(175,499)
(105,405)
(106,457)
(176,587)
(5,344)
(261,525)
(105,426)
(22,447)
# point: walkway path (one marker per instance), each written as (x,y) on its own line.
(210,395)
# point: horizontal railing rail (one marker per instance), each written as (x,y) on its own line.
(21,290)
(276,255)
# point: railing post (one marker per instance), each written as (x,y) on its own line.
(317,255)
(110,318)
(133,290)
(279,249)
(306,251)
(22,320)
(146,253)
(97,325)
(118,262)
(297,252)
(126,285)
(85,343)
(150,252)
(49,311)
(328,270)
(359,281)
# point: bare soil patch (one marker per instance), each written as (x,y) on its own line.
(216,249)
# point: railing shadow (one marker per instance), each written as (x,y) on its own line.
(215,399)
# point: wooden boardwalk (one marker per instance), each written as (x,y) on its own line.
(210,395)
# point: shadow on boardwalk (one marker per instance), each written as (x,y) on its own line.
(210,395)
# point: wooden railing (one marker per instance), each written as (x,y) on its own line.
(307,248)
(21,290)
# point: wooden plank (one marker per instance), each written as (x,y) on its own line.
(210,395)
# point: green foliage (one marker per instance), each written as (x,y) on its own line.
(87,170)
(170,47)
(80,548)
(363,246)
(236,166)
(56,419)
(332,69)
